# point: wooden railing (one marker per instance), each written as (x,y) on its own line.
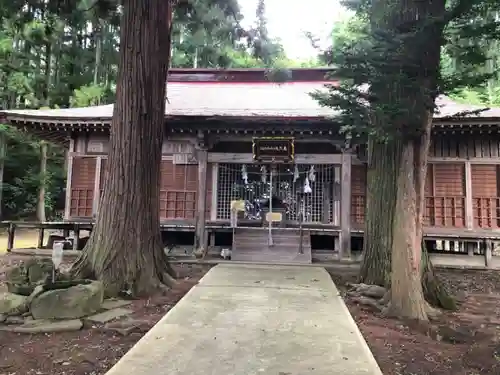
(444,211)
(486,212)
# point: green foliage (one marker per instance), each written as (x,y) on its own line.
(207,33)
(22,176)
(380,63)
(88,95)
(262,46)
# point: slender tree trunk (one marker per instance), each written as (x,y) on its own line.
(40,209)
(48,74)
(98,51)
(125,249)
(380,193)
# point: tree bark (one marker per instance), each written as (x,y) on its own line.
(98,31)
(376,265)
(125,249)
(407,297)
(48,74)
(381,190)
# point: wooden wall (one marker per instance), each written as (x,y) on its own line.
(82,187)
(465,146)
(453,159)
(445,195)
(485,195)
(451,201)
(178,179)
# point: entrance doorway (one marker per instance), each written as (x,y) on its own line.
(313,190)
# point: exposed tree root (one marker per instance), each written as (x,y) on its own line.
(379,299)
(435,292)
(144,274)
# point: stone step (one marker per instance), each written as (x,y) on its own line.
(276,240)
(276,245)
(272,258)
(251,245)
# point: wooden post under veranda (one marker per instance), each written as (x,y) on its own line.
(40,209)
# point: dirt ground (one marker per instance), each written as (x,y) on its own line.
(399,350)
(471,345)
(93,350)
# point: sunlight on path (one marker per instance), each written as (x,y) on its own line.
(24,240)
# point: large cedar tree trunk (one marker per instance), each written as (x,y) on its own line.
(381,190)
(380,204)
(420,49)
(407,297)
(125,249)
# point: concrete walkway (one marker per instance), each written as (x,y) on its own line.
(249,319)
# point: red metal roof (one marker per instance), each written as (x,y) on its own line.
(243,93)
(215,99)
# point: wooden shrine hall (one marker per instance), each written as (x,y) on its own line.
(260,168)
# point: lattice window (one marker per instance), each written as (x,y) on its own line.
(82,186)
(358,194)
(81,202)
(318,206)
(445,211)
(175,204)
(445,195)
(485,196)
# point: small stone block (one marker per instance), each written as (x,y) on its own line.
(110,304)
(45,326)
(108,315)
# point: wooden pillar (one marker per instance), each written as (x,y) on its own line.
(345,206)
(212,239)
(200,237)
(215,180)
(40,238)
(10,239)
(337,195)
(97,187)
(488,253)
(469,214)
(40,207)
(69,174)
(76,238)
(327,196)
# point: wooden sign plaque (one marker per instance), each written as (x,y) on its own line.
(273,150)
